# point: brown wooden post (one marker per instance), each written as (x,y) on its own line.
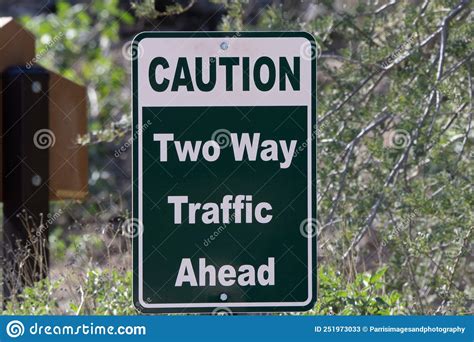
(26,141)
(68,161)
(36,105)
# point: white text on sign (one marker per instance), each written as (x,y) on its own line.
(246,145)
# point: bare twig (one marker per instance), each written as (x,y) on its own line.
(78,311)
(401,161)
(348,151)
(390,179)
(466,241)
(386,6)
(469,122)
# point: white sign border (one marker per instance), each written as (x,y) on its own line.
(311,111)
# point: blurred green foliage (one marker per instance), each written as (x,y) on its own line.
(38,300)
(109,292)
(364,296)
(396,221)
(106,292)
(80,42)
(98,292)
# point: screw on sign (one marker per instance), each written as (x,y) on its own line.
(230,111)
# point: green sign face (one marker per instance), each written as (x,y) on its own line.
(224,184)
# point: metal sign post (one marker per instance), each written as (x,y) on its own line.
(224,172)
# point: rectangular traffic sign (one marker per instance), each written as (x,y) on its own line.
(224,171)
